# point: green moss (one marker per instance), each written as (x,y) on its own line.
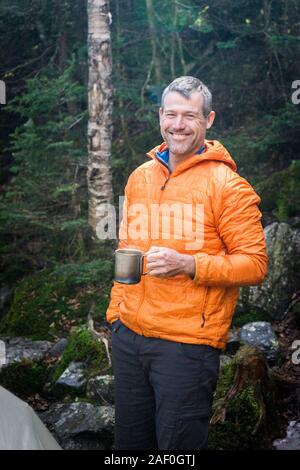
(242,414)
(241,319)
(71,398)
(48,303)
(280,193)
(24,378)
(226,378)
(83,347)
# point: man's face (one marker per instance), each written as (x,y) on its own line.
(182,123)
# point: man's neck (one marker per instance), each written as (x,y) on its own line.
(175,160)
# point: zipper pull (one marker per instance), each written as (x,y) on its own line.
(203,320)
(164,185)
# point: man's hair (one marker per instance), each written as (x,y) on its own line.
(188,85)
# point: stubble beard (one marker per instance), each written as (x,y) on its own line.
(179,148)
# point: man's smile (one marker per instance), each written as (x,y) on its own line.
(178,135)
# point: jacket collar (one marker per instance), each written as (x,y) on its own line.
(214,151)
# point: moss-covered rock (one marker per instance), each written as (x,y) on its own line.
(82,347)
(275,293)
(50,302)
(24,378)
(280,193)
(244,404)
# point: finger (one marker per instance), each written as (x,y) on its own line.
(154,258)
(151,266)
(157,273)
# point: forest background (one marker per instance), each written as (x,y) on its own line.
(246,51)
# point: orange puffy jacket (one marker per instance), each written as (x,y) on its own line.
(227,242)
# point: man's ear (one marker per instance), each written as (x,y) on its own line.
(210,119)
(160,113)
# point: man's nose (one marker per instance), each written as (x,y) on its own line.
(179,122)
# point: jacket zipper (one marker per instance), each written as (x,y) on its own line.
(164,185)
(206,289)
(143,296)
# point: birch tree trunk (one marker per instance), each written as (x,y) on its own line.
(100,110)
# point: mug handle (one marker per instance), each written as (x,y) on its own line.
(142,265)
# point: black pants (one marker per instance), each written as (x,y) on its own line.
(163,391)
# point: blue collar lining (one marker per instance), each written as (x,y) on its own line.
(164,156)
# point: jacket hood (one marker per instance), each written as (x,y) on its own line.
(214,151)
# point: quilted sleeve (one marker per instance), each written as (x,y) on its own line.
(239,226)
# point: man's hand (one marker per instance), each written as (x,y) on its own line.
(165,262)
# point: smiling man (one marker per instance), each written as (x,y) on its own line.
(183,124)
(169,329)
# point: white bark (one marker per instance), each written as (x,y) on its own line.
(100,109)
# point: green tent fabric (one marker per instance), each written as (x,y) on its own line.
(20,427)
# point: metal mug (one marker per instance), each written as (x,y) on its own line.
(129,265)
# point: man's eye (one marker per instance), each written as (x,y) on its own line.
(170,115)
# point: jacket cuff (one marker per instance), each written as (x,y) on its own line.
(201,261)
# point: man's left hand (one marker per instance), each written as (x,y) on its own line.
(165,262)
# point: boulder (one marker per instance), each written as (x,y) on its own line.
(58,347)
(18,349)
(261,336)
(101,389)
(292,439)
(80,425)
(72,379)
(273,296)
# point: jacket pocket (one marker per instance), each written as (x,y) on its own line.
(205,296)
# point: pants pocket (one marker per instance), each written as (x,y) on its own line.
(194,351)
(191,430)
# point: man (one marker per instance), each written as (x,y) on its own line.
(169,329)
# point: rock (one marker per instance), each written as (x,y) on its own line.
(261,336)
(58,347)
(274,294)
(18,349)
(292,439)
(101,389)
(2,354)
(25,378)
(73,378)
(81,425)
